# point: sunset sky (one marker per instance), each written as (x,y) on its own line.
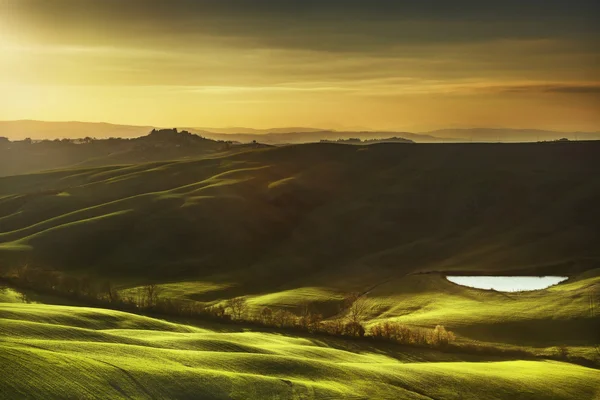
(349,64)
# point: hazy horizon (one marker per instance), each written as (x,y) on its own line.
(290,127)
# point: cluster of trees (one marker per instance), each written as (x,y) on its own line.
(350,322)
(396,332)
(150,298)
(368,141)
(67,285)
(163,138)
(346,141)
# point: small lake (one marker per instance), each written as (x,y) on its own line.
(507,283)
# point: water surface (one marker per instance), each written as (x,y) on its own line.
(507,283)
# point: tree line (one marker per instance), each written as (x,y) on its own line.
(151,299)
(350,322)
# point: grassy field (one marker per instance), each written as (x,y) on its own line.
(49,351)
(306,224)
(520,208)
(303,226)
(539,320)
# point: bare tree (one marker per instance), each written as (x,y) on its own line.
(140,297)
(283,318)
(152,294)
(357,306)
(238,307)
(266,316)
(308,319)
(354,329)
(218,310)
(110,292)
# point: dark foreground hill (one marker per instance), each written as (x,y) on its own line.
(304,225)
(312,213)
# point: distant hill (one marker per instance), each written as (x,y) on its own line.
(368,141)
(17,157)
(252,131)
(36,130)
(511,135)
(39,130)
(439,136)
(317,136)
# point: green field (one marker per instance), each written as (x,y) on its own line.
(539,320)
(298,227)
(74,352)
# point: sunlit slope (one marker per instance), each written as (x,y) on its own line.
(313,214)
(67,352)
(559,315)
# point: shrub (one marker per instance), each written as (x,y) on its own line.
(238,307)
(266,316)
(399,333)
(284,318)
(354,329)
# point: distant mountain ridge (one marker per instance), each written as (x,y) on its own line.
(316,136)
(253,131)
(511,135)
(37,130)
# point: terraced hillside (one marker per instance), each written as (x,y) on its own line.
(96,353)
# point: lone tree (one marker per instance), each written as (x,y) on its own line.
(357,306)
(152,295)
(238,307)
(111,294)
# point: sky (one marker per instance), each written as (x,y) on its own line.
(339,64)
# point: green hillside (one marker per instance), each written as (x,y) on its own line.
(96,353)
(540,321)
(298,225)
(313,213)
(296,228)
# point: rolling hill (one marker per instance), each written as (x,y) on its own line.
(98,353)
(301,226)
(25,156)
(40,130)
(523,208)
(305,224)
